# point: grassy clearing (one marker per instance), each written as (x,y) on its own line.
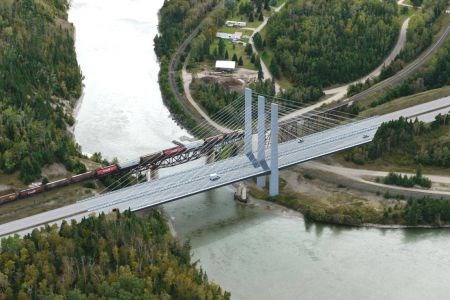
(237,49)
(327,203)
(235,29)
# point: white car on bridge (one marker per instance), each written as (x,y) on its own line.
(214,177)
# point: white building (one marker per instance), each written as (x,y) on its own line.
(235,24)
(229,36)
(225,65)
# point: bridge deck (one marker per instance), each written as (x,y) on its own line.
(232,170)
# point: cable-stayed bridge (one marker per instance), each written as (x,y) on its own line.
(267,145)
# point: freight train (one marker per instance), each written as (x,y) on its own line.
(203,145)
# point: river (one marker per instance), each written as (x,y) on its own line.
(258,251)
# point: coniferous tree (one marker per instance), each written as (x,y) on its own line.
(260,73)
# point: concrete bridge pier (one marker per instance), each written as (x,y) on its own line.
(211,158)
(274,172)
(241,193)
(152,173)
(261,180)
(301,128)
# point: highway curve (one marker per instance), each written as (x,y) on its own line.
(395,79)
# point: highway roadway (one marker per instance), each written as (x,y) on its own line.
(233,170)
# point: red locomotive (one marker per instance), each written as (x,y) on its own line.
(106,170)
(174,151)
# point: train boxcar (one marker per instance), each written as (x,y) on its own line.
(8,198)
(81,177)
(174,151)
(31,192)
(106,170)
(128,165)
(151,157)
(57,183)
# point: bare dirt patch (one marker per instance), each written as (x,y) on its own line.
(235,81)
(56,170)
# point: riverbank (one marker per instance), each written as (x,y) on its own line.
(328,198)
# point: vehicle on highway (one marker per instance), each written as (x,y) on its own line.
(300,140)
(214,177)
(365,136)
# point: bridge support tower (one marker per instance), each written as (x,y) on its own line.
(261,155)
(248,122)
(274,172)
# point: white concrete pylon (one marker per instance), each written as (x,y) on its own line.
(248,122)
(261,181)
(274,172)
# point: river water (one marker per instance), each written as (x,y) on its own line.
(258,251)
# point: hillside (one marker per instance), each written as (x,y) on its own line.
(116,256)
(39,83)
(321,43)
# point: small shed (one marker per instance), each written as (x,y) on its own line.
(225,65)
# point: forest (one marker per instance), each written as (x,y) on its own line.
(422,26)
(321,43)
(39,82)
(116,256)
(420,30)
(435,74)
(211,95)
(427,211)
(408,142)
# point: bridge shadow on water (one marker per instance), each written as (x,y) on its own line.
(215,212)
